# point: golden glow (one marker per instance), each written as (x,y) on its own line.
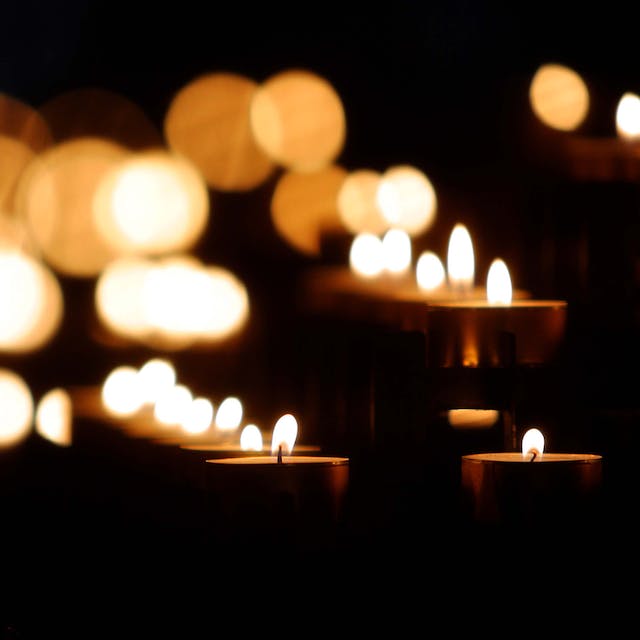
(92,112)
(499,290)
(31,302)
(358,205)
(173,406)
(366,255)
(208,122)
(22,122)
(55,195)
(251,438)
(628,116)
(298,120)
(54,415)
(284,434)
(430,273)
(533,442)
(120,392)
(151,203)
(460,259)
(16,417)
(472,418)
(304,206)
(198,417)
(15,155)
(229,414)
(155,377)
(177,301)
(559,97)
(396,251)
(407,199)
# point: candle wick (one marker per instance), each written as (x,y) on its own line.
(279,454)
(534,454)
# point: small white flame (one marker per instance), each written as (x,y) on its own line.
(366,255)
(533,442)
(460,258)
(285,433)
(229,415)
(499,290)
(251,438)
(396,251)
(628,116)
(430,273)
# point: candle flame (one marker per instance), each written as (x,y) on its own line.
(628,116)
(430,273)
(284,435)
(460,258)
(396,251)
(533,442)
(251,438)
(499,290)
(366,255)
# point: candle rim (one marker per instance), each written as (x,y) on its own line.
(510,457)
(288,461)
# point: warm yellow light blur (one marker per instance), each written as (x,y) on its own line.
(16,416)
(55,196)
(284,434)
(559,97)
(198,416)
(533,442)
(155,377)
(208,122)
(407,199)
(366,255)
(21,122)
(298,120)
(151,203)
(120,392)
(430,273)
(304,207)
(396,251)
(229,414)
(54,417)
(358,205)
(176,301)
(472,418)
(499,289)
(15,156)
(31,302)
(460,259)
(173,406)
(251,438)
(628,116)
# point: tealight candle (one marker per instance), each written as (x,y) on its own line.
(297,499)
(531,487)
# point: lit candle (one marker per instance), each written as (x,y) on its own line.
(531,487)
(496,330)
(295,498)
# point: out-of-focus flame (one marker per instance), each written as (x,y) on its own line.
(430,273)
(358,205)
(229,414)
(15,156)
(298,120)
(460,259)
(559,97)
(407,199)
(284,434)
(366,256)
(21,122)
(251,438)
(120,391)
(198,417)
(396,251)
(499,289)
(155,377)
(54,416)
(16,416)
(628,116)
(304,207)
(173,406)
(533,442)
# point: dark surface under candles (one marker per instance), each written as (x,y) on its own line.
(439,86)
